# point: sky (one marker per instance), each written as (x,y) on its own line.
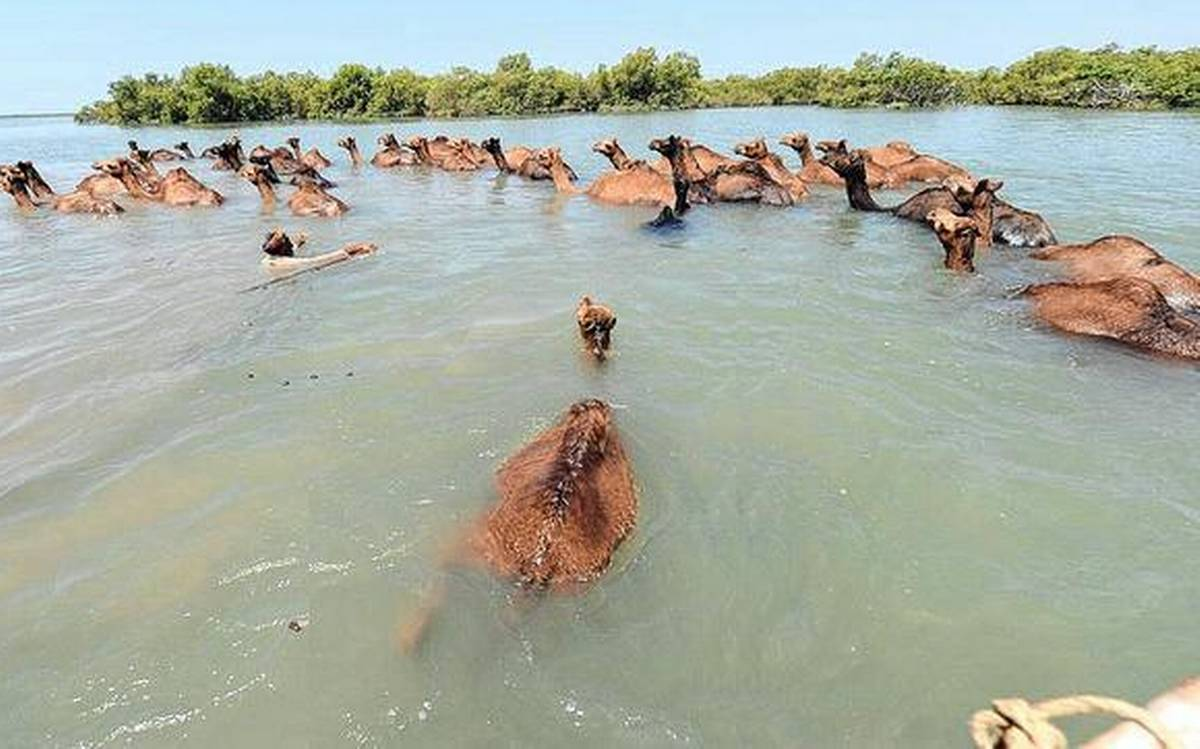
(60,54)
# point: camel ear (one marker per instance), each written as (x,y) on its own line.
(842,145)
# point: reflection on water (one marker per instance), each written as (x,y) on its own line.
(874,495)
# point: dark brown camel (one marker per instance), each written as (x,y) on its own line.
(596,322)
(1129,310)
(351,146)
(566,502)
(520,160)
(850,165)
(701,161)
(1118,256)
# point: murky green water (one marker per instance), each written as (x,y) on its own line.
(874,494)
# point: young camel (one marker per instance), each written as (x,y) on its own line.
(177,187)
(566,502)
(596,322)
(756,150)
(1125,257)
(1131,311)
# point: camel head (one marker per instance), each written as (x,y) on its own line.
(985,192)
(837,157)
(833,147)
(752,149)
(113,167)
(668,146)
(797,141)
(388,140)
(279,244)
(133,146)
(491,145)
(348,143)
(183,146)
(607,147)
(256,173)
(957,235)
(11,179)
(293,141)
(549,157)
(415,142)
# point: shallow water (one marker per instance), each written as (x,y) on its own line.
(875,495)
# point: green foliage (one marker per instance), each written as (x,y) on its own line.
(1107,78)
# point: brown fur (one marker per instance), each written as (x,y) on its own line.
(1125,257)
(452,156)
(743,182)
(1130,310)
(14,181)
(957,235)
(890,154)
(922,169)
(392,153)
(812,171)
(310,199)
(313,158)
(756,150)
(637,186)
(596,322)
(611,150)
(177,187)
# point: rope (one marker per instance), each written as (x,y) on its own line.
(1015,724)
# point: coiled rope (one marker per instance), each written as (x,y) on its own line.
(1015,724)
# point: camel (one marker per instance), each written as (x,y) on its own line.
(162,154)
(282,160)
(1017,227)
(454,157)
(310,198)
(279,254)
(978,201)
(566,502)
(313,157)
(891,154)
(351,146)
(391,153)
(1177,709)
(13,181)
(957,235)
(177,187)
(596,322)
(640,185)
(611,150)
(1129,310)
(701,161)
(740,182)
(228,156)
(756,150)
(185,150)
(812,171)
(923,168)
(1125,257)
(520,160)
(33,178)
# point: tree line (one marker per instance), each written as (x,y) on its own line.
(1109,77)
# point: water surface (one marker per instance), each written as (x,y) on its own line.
(875,495)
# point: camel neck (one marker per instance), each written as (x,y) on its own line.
(806,154)
(961,256)
(355,157)
(983,216)
(501,160)
(620,159)
(562,181)
(266,192)
(857,191)
(135,187)
(20,194)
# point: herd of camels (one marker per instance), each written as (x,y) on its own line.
(567,499)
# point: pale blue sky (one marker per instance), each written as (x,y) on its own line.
(58,54)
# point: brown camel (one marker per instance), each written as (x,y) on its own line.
(1125,257)
(756,150)
(453,157)
(923,169)
(520,160)
(313,157)
(611,150)
(392,153)
(957,235)
(13,181)
(812,171)
(640,185)
(310,198)
(159,154)
(351,146)
(177,187)
(701,161)
(741,182)
(851,166)
(566,502)
(1130,310)
(596,322)
(33,178)
(891,154)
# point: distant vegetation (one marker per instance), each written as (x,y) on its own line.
(1103,78)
